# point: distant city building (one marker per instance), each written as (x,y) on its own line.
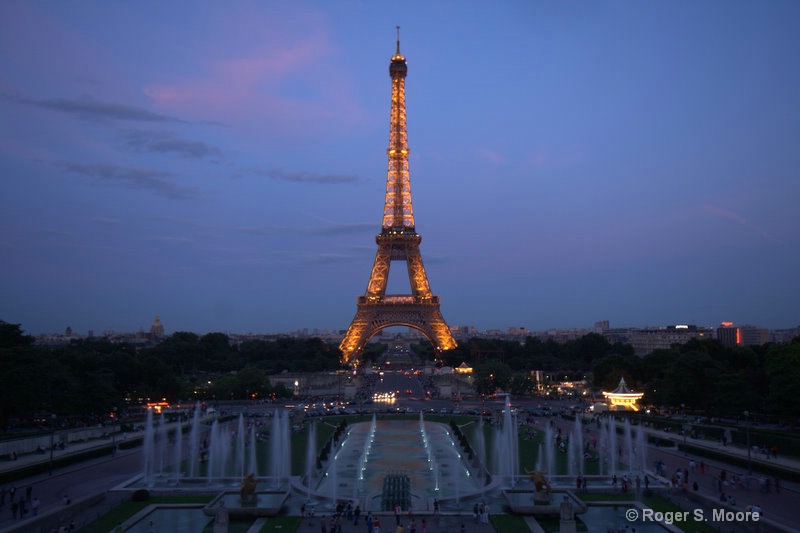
(785,335)
(157,329)
(518,331)
(644,341)
(730,335)
(754,335)
(564,335)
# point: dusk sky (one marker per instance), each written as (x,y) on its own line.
(223,164)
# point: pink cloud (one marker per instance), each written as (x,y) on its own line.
(492,156)
(724,213)
(287,86)
(730,215)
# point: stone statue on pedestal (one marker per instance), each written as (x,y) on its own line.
(221,519)
(567,522)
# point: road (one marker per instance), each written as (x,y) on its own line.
(76,482)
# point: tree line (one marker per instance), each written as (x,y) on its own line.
(92,376)
(701,375)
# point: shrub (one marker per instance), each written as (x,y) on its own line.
(141,495)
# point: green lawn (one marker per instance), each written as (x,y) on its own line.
(128,508)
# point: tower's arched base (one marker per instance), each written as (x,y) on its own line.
(372,317)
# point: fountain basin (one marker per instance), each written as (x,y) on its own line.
(267,503)
(522,502)
(167,518)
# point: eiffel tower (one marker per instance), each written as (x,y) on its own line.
(397,241)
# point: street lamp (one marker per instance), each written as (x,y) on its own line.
(113,431)
(685,430)
(52,443)
(747,433)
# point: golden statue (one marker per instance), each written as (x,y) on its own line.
(247,491)
(539,481)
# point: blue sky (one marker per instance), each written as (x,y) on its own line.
(223,165)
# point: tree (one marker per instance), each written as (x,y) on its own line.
(608,370)
(783,373)
(11,336)
(521,384)
(492,374)
(691,380)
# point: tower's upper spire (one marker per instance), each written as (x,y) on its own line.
(398,41)
(398,66)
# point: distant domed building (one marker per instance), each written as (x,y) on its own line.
(157,329)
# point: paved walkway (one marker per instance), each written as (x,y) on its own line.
(756,458)
(781,506)
(442,524)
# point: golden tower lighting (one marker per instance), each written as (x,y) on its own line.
(397,241)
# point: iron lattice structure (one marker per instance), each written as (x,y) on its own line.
(397,241)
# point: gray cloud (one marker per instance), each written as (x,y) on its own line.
(307,177)
(267,230)
(134,178)
(172,241)
(167,143)
(328,258)
(105,221)
(90,109)
(346,229)
(333,229)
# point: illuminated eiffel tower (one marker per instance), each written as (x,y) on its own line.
(397,241)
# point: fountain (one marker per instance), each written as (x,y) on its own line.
(194,442)
(549,451)
(367,447)
(627,439)
(479,438)
(148,449)
(406,461)
(614,453)
(252,461)
(641,449)
(219,452)
(506,446)
(311,459)
(239,449)
(577,437)
(157,455)
(280,457)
